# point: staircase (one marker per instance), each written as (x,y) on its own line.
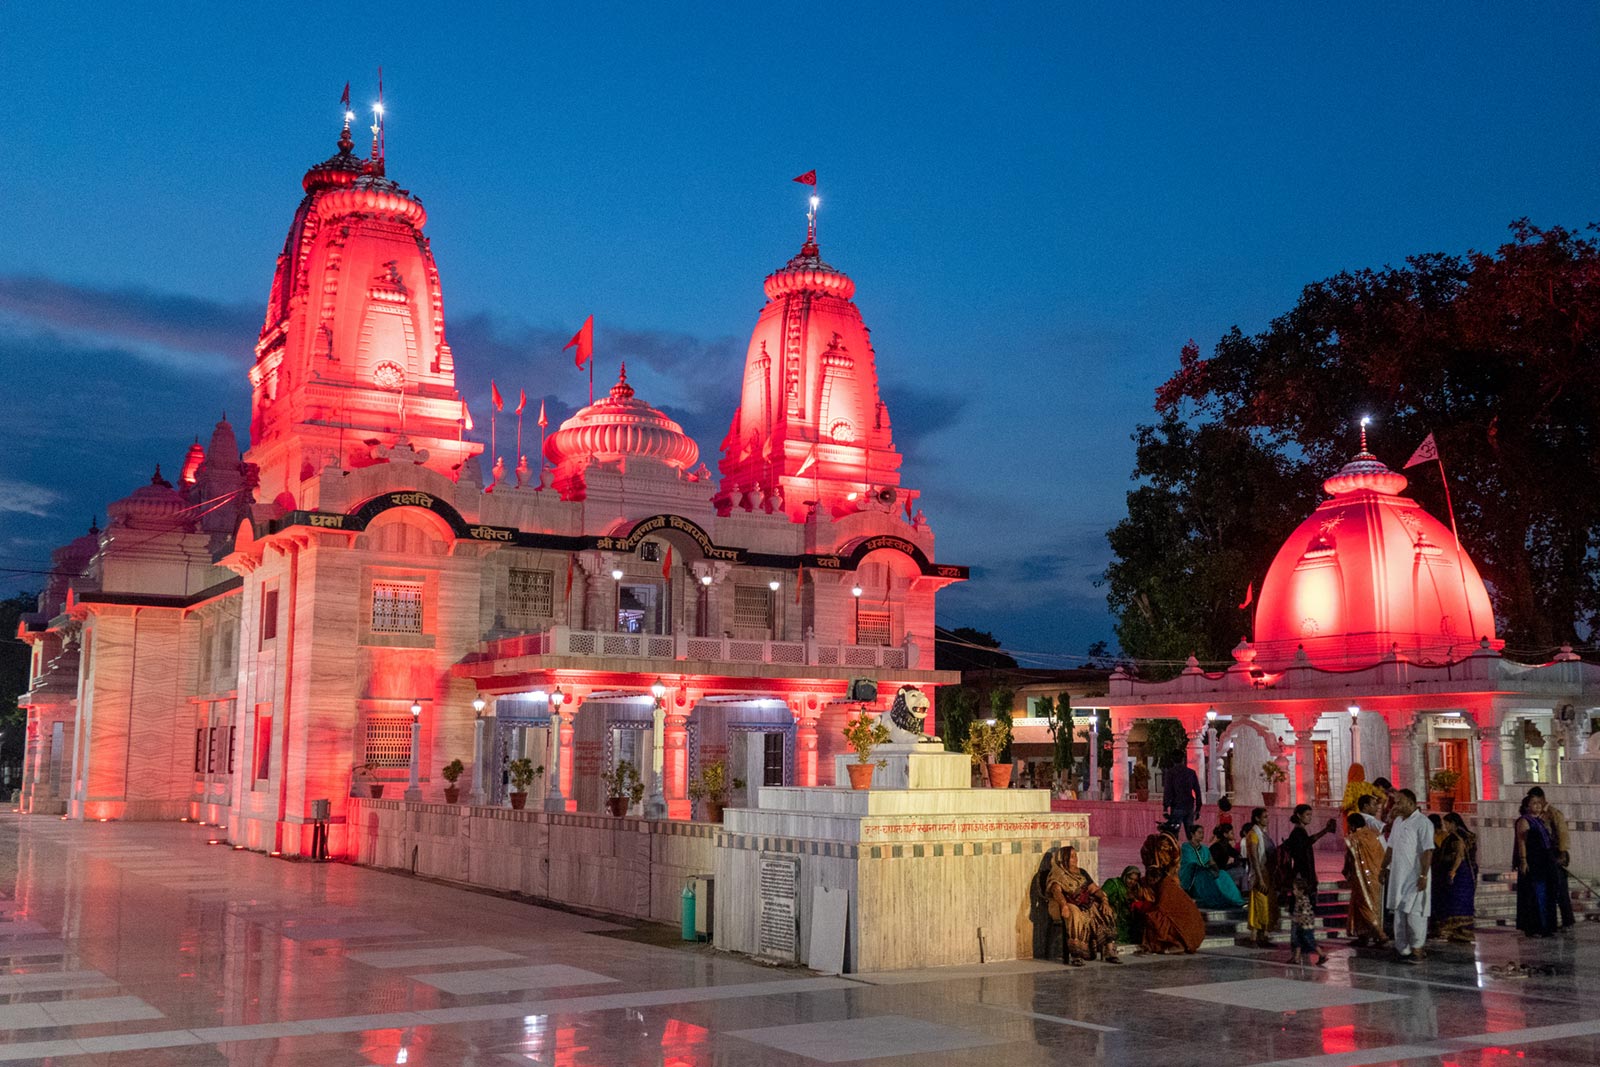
(1496,905)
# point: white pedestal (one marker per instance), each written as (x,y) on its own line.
(920,766)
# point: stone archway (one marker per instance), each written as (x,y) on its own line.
(1252,744)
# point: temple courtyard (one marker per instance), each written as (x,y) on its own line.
(143,944)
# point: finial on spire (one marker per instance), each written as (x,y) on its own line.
(377,129)
(810,178)
(1364,420)
(345,141)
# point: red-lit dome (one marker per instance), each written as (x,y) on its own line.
(617,427)
(155,506)
(1369,572)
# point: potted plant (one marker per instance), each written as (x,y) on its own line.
(523,773)
(451,773)
(1273,775)
(367,773)
(624,787)
(864,733)
(711,786)
(985,740)
(1139,781)
(1442,789)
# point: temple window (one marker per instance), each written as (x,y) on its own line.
(396,607)
(530,595)
(641,608)
(874,628)
(269,613)
(752,611)
(263,744)
(388,742)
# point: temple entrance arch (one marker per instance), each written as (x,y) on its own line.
(1246,745)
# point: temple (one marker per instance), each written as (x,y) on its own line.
(1374,644)
(363,596)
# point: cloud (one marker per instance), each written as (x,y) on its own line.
(24,498)
(188,332)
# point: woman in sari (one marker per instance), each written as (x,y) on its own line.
(1262,916)
(1121,893)
(1455,880)
(1201,878)
(1088,923)
(1363,867)
(1534,856)
(1171,921)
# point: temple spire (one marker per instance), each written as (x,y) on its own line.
(346,143)
(377,129)
(1365,419)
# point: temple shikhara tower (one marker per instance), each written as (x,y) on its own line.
(362,596)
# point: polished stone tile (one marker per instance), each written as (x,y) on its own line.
(1277,994)
(52,982)
(875,1037)
(506,979)
(423,957)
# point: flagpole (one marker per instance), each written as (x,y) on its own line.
(1461,565)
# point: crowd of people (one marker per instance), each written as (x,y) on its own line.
(1412,876)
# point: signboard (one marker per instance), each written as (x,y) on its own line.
(777,921)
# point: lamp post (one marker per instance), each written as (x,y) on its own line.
(554,800)
(414,789)
(1355,732)
(616,598)
(705,604)
(656,806)
(855,591)
(480,749)
(1212,777)
(772,609)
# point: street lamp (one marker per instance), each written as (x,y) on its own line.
(656,806)
(772,610)
(1211,754)
(616,599)
(705,605)
(554,801)
(478,705)
(414,788)
(1355,732)
(855,591)
(480,750)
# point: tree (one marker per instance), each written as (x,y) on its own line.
(1493,353)
(14,657)
(1059,714)
(953,650)
(1164,741)
(956,711)
(1200,529)
(1000,699)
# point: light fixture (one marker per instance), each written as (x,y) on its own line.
(478,705)
(616,574)
(557,698)
(855,590)
(416,709)
(1211,715)
(705,579)
(989,721)
(851,496)
(1354,710)
(658,690)
(774,585)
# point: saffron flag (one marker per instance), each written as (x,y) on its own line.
(584,340)
(1427,450)
(344,98)
(666,566)
(810,461)
(494,394)
(522,400)
(1249,596)
(543,422)
(808,178)
(467,412)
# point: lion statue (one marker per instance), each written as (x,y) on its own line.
(906,716)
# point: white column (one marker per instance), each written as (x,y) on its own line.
(1355,739)
(1119,763)
(1093,792)
(414,787)
(1510,772)
(554,800)
(655,805)
(482,746)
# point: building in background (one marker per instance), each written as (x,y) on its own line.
(364,595)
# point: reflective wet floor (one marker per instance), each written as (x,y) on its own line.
(141,944)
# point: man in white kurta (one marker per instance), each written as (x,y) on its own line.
(1408,864)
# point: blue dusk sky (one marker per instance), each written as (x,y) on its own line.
(1039,204)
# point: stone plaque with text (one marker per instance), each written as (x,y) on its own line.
(777,933)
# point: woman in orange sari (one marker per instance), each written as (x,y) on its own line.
(1172,923)
(1363,866)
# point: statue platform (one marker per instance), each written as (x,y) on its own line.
(913,766)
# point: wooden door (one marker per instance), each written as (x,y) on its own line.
(1322,790)
(1454,757)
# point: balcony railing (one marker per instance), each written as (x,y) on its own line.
(564,641)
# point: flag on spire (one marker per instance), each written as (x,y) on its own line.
(1249,596)
(808,178)
(543,422)
(466,411)
(1427,450)
(810,461)
(584,341)
(494,394)
(522,400)
(344,98)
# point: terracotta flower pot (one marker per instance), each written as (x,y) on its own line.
(1269,798)
(376,789)
(1442,802)
(452,793)
(617,806)
(1141,795)
(999,775)
(518,800)
(860,775)
(714,810)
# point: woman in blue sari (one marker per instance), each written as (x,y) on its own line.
(1534,857)
(1455,880)
(1200,877)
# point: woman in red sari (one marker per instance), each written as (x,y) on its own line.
(1172,923)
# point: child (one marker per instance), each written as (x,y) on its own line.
(1225,813)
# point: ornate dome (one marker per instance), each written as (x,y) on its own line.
(1370,573)
(156,506)
(617,427)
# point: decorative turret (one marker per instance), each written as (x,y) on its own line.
(619,428)
(810,426)
(353,356)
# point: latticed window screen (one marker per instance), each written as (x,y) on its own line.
(389,742)
(752,607)
(530,594)
(396,608)
(874,629)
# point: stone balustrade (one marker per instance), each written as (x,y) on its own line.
(566,641)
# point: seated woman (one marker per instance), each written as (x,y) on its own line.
(1229,860)
(1200,877)
(1171,921)
(1086,916)
(1122,892)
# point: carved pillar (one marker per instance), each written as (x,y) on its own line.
(1119,763)
(1418,758)
(676,762)
(482,743)
(1399,765)
(1093,733)
(567,749)
(555,800)
(1305,767)
(1552,752)
(1510,769)
(1490,786)
(655,806)
(805,747)
(710,618)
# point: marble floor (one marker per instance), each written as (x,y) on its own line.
(133,944)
